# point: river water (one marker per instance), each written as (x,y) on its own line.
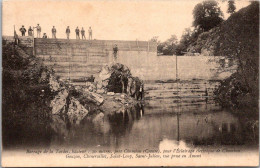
(178,114)
(168,115)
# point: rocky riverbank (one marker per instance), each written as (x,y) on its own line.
(31,90)
(79,102)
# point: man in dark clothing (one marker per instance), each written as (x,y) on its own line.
(30,31)
(141,92)
(115,49)
(53,30)
(23,30)
(68,32)
(77,33)
(16,40)
(83,33)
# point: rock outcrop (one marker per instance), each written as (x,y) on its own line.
(54,84)
(93,97)
(59,102)
(114,89)
(117,78)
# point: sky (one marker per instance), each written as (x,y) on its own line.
(110,20)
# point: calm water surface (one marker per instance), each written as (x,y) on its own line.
(165,118)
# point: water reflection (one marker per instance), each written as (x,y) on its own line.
(96,130)
(134,129)
(139,127)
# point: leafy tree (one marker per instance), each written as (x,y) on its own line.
(154,39)
(169,46)
(207,15)
(160,48)
(188,38)
(231,6)
(184,42)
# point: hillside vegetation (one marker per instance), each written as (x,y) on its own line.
(238,39)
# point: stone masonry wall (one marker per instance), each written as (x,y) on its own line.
(75,59)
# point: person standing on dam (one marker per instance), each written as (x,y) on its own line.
(23,30)
(53,30)
(30,31)
(68,32)
(39,29)
(90,33)
(77,33)
(83,33)
(115,49)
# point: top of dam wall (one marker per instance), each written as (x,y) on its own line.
(102,44)
(29,41)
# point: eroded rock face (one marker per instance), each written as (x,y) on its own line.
(91,87)
(93,97)
(105,73)
(76,111)
(59,102)
(54,84)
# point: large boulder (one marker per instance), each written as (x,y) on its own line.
(92,97)
(59,102)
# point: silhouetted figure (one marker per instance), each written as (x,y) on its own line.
(30,31)
(90,33)
(141,92)
(23,30)
(68,32)
(77,33)
(53,30)
(16,40)
(115,50)
(39,29)
(83,33)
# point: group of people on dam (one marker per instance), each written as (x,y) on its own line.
(54,31)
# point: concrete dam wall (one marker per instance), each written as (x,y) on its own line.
(75,59)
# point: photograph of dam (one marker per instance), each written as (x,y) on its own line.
(130,76)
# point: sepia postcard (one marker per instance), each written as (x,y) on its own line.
(130,83)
